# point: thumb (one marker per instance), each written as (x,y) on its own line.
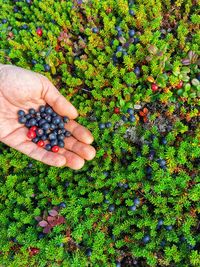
(57,101)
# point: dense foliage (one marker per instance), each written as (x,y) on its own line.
(131,69)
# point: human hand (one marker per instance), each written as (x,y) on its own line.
(24,89)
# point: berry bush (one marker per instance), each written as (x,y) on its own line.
(132,70)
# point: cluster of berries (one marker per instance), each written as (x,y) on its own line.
(45,125)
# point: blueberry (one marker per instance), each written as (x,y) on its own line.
(124,118)
(95,30)
(61,144)
(137,71)
(33,122)
(168,227)
(33,62)
(61,125)
(106,201)
(108,124)
(55,132)
(62,205)
(48,147)
(42,108)
(65,119)
(137,201)
(118,264)
(43,137)
(131,12)
(21,112)
(43,114)
(41,122)
(22,120)
(120,33)
(52,126)
(164,141)
(148,170)
(28,1)
(61,137)
(56,120)
(28,116)
(4,21)
(146,239)
(16,9)
(48,110)
(88,252)
(30,165)
(54,114)
(52,136)
(27,124)
(152,154)
(39,132)
(130,111)
(160,222)
(25,27)
(131,33)
(47,67)
(41,235)
(102,126)
(35,140)
(105,192)
(45,126)
(67,134)
(118,28)
(119,48)
(136,40)
(138,154)
(31,111)
(125,186)
(162,243)
(198,76)
(66,184)
(111,207)
(133,208)
(162,163)
(132,118)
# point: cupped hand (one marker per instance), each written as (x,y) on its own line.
(24,89)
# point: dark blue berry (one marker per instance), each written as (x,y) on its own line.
(45,126)
(152,154)
(160,222)
(28,1)
(48,110)
(22,120)
(148,170)
(164,141)
(198,76)
(137,71)
(25,27)
(16,9)
(43,137)
(119,48)
(65,119)
(120,33)
(132,118)
(31,111)
(56,120)
(168,227)
(124,118)
(111,207)
(130,111)
(39,132)
(106,201)
(54,114)
(133,208)
(41,235)
(162,163)
(33,62)
(67,134)
(42,108)
(21,112)
(33,122)
(47,67)
(41,122)
(118,264)
(162,243)
(28,116)
(137,201)
(61,125)
(52,136)
(131,12)
(61,137)
(95,30)
(102,126)
(118,28)
(62,205)
(131,33)
(66,184)
(108,124)
(88,252)
(48,147)
(35,140)
(125,186)
(52,126)
(136,40)
(4,21)
(61,144)
(146,239)
(138,154)
(27,124)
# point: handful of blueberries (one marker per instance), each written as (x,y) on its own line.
(45,125)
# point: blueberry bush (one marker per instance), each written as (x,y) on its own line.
(132,70)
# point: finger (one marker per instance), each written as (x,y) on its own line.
(79,132)
(83,150)
(57,101)
(18,140)
(73,161)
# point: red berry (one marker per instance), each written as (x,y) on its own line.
(180,85)
(116,110)
(39,32)
(33,128)
(40,143)
(55,148)
(33,251)
(154,87)
(31,134)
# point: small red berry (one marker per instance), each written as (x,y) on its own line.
(55,148)
(33,128)
(116,110)
(31,134)
(154,87)
(40,143)
(33,251)
(39,32)
(180,85)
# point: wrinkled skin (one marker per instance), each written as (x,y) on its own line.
(24,89)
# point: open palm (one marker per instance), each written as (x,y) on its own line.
(24,89)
